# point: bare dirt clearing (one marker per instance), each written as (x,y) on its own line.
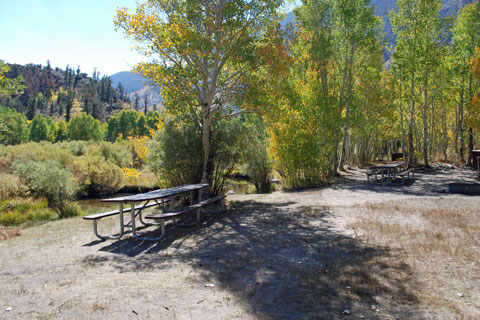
(351,250)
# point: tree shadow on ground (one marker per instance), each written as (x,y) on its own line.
(425,183)
(282,260)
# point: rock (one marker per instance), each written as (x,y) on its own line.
(346,312)
(229,193)
(8,309)
(460,294)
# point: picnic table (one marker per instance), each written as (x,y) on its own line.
(389,172)
(158,198)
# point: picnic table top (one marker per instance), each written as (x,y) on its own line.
(158,194)
(390,165)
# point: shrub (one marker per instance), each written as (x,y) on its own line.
(47,179)
(3,150)
(231,142)
(176,154)
(40,152)
(77,148)
(10,186)
(258,163)
(97,175)
(72,209)
(114,152)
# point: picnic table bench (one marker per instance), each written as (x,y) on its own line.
(157,198)
(389,172)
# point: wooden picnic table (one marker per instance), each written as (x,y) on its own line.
(389,172)
(140,202)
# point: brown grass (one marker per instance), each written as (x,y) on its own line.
(438,239)
(9,232)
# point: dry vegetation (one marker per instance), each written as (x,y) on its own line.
(439,239)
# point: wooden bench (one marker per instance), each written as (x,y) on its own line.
(406,173)
(98,216)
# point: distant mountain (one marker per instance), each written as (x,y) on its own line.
(383,7)
(136,84)
(131,82)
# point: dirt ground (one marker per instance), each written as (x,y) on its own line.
(347,251)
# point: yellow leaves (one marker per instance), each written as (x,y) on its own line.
(141,147)
(131,175)
(475,63)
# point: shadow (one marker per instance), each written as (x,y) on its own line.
(433,182)
(284,261)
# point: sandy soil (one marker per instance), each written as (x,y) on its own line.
(285,255)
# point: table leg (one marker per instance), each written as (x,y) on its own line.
(134,231)
(95,227)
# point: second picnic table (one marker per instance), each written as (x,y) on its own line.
(388,172)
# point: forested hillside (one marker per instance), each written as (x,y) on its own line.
(62,94)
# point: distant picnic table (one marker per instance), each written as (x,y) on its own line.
(159,199)
(389,173)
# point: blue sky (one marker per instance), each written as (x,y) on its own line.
(74,32)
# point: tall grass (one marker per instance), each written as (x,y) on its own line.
(438,239)
(25,212)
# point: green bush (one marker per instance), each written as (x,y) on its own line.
(114,152)
(49,180)
(10,186)
(3,151)
(40,152)
(258,164)
(97,175)
(231,142)
(72,209)
(176,154)
(77,148)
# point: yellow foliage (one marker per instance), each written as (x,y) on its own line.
(141,147)
(131,175)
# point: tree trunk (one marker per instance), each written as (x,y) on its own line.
(424,118)
(470,130)
(470,147)
(345,88)
(411,151)
(208,165)
(460,123)
(401,121)
(445,135)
